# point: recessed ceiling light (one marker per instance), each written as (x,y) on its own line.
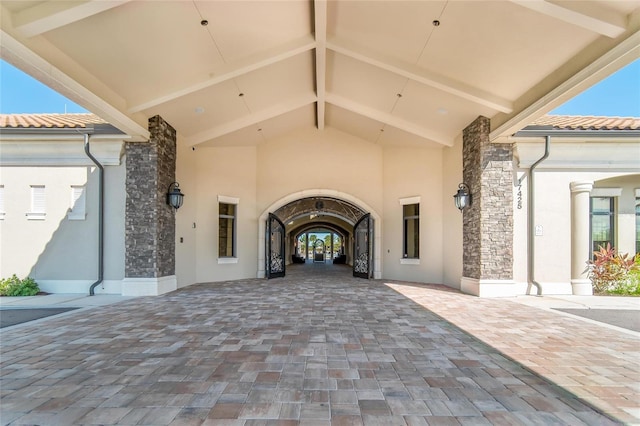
(199,110)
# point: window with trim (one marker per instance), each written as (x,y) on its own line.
(227,214)
(38,203)
(411,231)
(77,203)
(602,222)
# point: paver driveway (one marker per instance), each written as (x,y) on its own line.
(306,349)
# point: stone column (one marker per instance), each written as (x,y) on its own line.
(580,247)
(488,222)
(149,220)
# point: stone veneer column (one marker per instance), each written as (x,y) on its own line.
(580,250)
(488,222)
(149,221)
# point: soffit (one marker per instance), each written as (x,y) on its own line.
(347,61)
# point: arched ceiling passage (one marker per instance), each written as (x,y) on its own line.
(316,226)
(320,206)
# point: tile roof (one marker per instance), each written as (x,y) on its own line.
(82,120)
(52,121)
(579,122)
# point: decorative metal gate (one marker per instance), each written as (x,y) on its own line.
(363,247)
(275,247)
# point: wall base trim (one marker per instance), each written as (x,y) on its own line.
(149,286)
(488,288)
(79,286)
(581,287)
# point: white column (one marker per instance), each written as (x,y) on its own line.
(580,245)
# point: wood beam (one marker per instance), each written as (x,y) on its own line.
(249,120)
(388,119)
(422,76)
(320,15)
(233,70)
(582,14)
(50,15)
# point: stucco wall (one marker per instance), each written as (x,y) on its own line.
(311,160)
(553,215)
(229,172)
(61,254)
(451,216)
(413,172)
(186,234)
(327,160)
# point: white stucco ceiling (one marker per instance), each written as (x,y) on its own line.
(379,70)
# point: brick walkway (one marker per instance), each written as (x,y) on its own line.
(315,349)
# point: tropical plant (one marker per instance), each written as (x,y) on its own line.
(612,272)
(14,286)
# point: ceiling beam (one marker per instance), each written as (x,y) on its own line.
(388,119)
(320,14)
(233,70)
(249,120)
(581,14)
(422,76)
(614,58)
(50,15)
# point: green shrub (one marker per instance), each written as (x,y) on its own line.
(614,273)
(14,286)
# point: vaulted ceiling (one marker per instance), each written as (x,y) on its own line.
(231,72)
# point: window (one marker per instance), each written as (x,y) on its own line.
(38,203)
(410,231)
(77,203)
(227,229)
(602,222)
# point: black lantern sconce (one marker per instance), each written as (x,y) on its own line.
(174,196)
(462,197)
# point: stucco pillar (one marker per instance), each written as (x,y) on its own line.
(149,220)
(580,251)
(488,221)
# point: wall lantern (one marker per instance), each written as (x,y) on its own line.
(174,196)
(462,197)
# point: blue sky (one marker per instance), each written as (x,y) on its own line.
(618,95)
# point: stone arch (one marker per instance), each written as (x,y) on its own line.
(377,223)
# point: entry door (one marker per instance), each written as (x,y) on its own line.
(275,247)
(363,247)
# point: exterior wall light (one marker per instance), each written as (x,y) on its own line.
(174,196)
(462,197)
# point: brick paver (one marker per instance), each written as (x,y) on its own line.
(598,364)
(315,348)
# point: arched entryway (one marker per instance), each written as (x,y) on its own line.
(321,209)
